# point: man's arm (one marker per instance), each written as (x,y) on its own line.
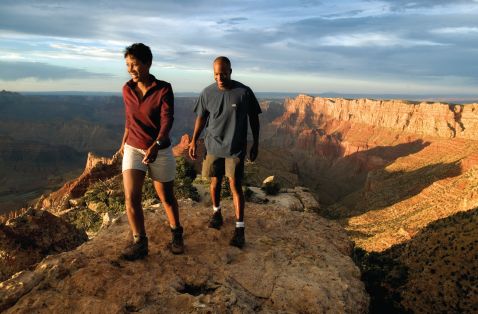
(198,127)
(255,127)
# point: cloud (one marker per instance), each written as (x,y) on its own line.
(463,30)
(368,40)
(87,51)
(232,21)
(413,4)
(12,71)
(399,40)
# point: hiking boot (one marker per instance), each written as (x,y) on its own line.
(177,244)
(216,220)
(136,250)
(238,239)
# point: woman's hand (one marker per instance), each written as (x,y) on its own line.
(151,154)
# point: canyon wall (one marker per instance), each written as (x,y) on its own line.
(423,119)
(372,162)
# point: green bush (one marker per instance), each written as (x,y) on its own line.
(225,188)
(183,184)
(149,192)
(110,193)
(84,219)
(184,169)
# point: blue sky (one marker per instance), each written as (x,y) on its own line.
(404,47)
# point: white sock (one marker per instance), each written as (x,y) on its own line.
(216,208)
(239,224)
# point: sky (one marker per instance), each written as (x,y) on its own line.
(387,46)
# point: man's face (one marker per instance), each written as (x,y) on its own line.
(139,71)
(222,74)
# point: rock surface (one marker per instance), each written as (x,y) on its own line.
(292,262)
(96,168)
(28,238)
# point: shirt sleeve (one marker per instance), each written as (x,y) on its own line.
(200,108)
(254,108)
(167,111)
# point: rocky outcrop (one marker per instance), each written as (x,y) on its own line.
(28,238)
(96,168)
(292,262)
(296,199)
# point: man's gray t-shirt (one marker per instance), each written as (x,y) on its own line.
(226,127)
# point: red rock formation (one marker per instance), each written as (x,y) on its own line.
(182,150)
(96,168)
(425,119)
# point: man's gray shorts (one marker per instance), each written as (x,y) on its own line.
(232,167)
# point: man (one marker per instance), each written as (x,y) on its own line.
(149,109)
(223,108)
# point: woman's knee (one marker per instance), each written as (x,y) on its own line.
(132,199)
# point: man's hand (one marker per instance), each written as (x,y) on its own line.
(192,150)
(151,154)
(254,151)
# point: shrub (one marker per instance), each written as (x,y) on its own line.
(149,192)
(225,188)
(109,192)
(185,175)
(84,219)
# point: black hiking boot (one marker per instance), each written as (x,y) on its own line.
(136,250)
(177,244)
(238,239)
(216,220)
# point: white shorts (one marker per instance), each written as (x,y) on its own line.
(163,169)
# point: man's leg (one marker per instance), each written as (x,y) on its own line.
(235,172)
(215,190)
(133,180)
(237,198)
(165,191)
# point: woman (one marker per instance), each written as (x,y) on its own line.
(149,108)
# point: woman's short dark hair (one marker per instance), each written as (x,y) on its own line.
(139,51)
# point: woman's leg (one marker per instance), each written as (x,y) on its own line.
(165,191)
(133,180)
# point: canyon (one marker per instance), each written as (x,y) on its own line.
(400,177)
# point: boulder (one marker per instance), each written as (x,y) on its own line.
(28,238)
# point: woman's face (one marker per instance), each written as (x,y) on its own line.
(139,71)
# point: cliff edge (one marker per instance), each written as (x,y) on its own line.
(292,262)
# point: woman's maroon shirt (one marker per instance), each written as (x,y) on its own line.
(150,119)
